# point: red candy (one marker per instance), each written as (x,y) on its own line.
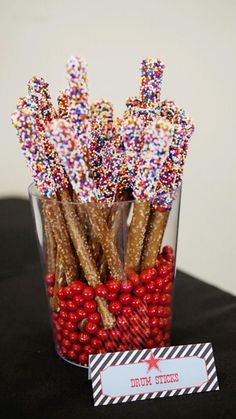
(101,290)
(151,286)
(125,298)
(102,334)
(127,285)
(94,317)
(91,327)
(67,292)
(70,305)
(50,278)
(141,305)
(79,300)
(90,306)
(148,275)
(133,276)
(81,313)
(113,285)
(83,358)
(139,291)
(84,338)
(115,307)
(88,293)
(77,287)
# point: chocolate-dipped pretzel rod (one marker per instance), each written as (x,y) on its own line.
(72,159)
(170,180)
(28,135)
(156,140)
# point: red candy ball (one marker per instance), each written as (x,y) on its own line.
(84,338)
(139,291)
(78,299)
(111,295)
(167,288)
(90,306)
(88,293)
(81,313)
(71,355)
(72,316)
(77,287)
(67,292)
(66,343)
(50,278)
(153,311)
(60,292)
(151,286)
(147,299)
(63,350)
(136,301)
(74,337)
(91,327)
(71,326)
(127,311)
(127,285)
(125,298)
(96,343)
(65,333)
(101,290)
(83,358)
(155,297)
(64,314)
(165,299)
(133,276)
(88,349)
(71,305)
(164,270)
(50,291)
(115,307)
(153,322)
(113,285)
(94,317)
(159,282)
(76,347)
(102,334)
(148,275)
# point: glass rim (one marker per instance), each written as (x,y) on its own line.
(33,192)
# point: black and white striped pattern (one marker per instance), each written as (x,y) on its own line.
(99,362)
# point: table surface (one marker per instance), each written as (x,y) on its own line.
(38,384)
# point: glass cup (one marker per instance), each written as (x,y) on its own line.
(108,271)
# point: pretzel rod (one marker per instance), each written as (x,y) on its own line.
(62,238)
(153,239)
(78,174)
(79,240)
(141,210)
(103,235)
(59,280)
(51,247)
(156,141)
(170,179)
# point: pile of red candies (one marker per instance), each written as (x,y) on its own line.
(141,305)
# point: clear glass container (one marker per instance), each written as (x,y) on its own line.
(108,272)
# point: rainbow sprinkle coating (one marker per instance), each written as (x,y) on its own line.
(64,141)
(156,141)
(28,134)
(172,170)
(78,108)
(151,80)
(144,152)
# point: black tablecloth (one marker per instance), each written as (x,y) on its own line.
(36,383)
